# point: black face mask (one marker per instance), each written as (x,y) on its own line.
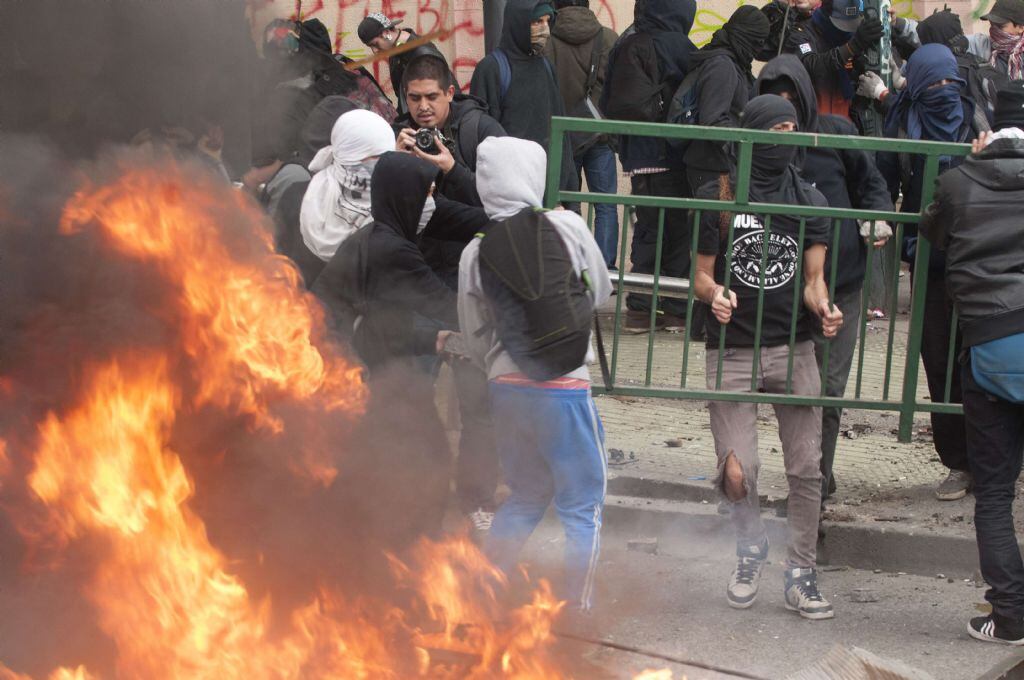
(770,160)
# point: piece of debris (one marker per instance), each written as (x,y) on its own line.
(858,664)
(644,545)
(673,443)
(618,457)
(940,576)
(891,518)
(697,478)
(863,595)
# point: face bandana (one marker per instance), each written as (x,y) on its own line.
(539,34)
(428,211)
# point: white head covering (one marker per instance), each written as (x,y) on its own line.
(337,201)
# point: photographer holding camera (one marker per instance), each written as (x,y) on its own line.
(444,127)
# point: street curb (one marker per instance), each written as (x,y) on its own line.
(857,545)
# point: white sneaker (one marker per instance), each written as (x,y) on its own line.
(742,589)
(802,594)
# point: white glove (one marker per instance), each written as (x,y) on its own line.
(870,85)
(883,232)
(898,81)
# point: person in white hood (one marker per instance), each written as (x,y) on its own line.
(548,434)
(337,202)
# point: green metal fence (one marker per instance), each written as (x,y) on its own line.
(902,398)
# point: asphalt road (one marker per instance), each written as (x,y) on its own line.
(673,603)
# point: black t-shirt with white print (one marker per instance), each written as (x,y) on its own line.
(780,271)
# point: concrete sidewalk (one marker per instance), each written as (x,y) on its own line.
(662,461)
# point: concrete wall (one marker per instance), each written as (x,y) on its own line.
(463,19)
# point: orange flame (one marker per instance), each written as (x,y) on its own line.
(103,471)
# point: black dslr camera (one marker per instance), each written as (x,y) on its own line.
(427,139)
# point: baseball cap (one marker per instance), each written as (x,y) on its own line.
(1005,11)
(847,14)
(373,25)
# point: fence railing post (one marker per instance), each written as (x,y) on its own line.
(555,146)
(918,288)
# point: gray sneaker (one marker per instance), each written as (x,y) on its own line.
(802,594)
(742,589)
(955,486)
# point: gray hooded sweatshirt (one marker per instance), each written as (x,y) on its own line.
(510,177)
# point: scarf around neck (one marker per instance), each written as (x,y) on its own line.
(1009,47)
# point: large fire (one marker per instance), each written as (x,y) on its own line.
(99,468)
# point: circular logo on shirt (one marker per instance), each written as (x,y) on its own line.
(780,265)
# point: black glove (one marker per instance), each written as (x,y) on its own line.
(867,36)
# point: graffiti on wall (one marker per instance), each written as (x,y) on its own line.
(463,44)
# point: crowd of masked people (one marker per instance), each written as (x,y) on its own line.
(418,223)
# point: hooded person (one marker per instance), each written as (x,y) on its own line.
(563,458)
(933,107)
(644,71)
(304,71)
(578,48)
(373,287)
(337,202)
(832,45)
(982,79)
(724,79)
(848,179)
(378,279)
(737,241)
(518,83)
(974,217)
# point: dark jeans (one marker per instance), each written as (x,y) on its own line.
(948,430)
(995,442)
(675,248)
(477,469)
(599,164)
(840,358)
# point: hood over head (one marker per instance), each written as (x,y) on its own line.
(510,174)
(943,28)
(773,178)
(576,25)
(666,15)
(515,28)
(668,22)
(926,112)
(743,37)
(355,136)
(787,70)
(1000,165)
(400,185)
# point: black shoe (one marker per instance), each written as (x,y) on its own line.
(998,629)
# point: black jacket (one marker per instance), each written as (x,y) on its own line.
(829,66)
(397,64)
(379,276)
(526,109)
(639,86)
(722,92)
(847,178)
(975,218)
(904,173)
(468,124)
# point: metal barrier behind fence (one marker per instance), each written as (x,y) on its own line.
(902,399)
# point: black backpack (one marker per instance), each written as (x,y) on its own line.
(684,108)
(542,308)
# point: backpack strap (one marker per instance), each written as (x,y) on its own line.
(469,137)
(595,56)
(504,70)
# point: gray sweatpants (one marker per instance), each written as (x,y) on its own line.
(734,426)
